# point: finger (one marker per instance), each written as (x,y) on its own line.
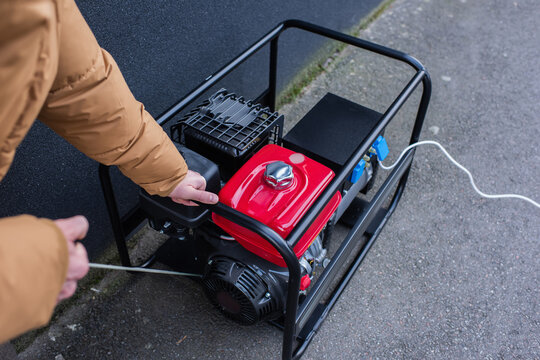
(68,289)
(79,261)
(202,196)
(80,223)
(184,202)
(78,264)
(70,247)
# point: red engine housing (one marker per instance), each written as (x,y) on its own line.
(249,193)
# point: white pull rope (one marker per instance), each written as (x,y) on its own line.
(140,269)
(488,196)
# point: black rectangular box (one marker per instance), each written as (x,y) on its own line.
(332,130)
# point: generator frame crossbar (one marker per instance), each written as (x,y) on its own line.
(301,321)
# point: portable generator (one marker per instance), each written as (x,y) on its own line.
(263,250)
(243,274)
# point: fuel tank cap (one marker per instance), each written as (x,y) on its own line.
(279,175)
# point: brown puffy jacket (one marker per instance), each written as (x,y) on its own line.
(52,68)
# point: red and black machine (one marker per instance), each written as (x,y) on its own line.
(281,196)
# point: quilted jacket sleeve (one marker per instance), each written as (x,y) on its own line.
(33,265)
(33,252)
(91,106)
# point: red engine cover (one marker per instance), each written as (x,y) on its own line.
(249,193)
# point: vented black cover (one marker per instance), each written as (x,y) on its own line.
(241,293)
(228,129)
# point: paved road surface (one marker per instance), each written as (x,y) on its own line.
(452,276)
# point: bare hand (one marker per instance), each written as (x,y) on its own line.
(74,228)
(192,188)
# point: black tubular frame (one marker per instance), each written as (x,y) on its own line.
(306,318)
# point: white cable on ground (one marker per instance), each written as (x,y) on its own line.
(489,196)
(139,269)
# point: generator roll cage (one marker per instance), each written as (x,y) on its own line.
(301,322)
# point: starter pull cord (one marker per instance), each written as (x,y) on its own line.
(140,269)
(488,196)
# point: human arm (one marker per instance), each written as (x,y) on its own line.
(91,106)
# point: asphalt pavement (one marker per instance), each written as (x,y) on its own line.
(452,275)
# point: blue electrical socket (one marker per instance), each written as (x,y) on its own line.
(381,147)
(357,171)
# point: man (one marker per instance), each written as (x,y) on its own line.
(52,68)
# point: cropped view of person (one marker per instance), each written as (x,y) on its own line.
(52,69)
